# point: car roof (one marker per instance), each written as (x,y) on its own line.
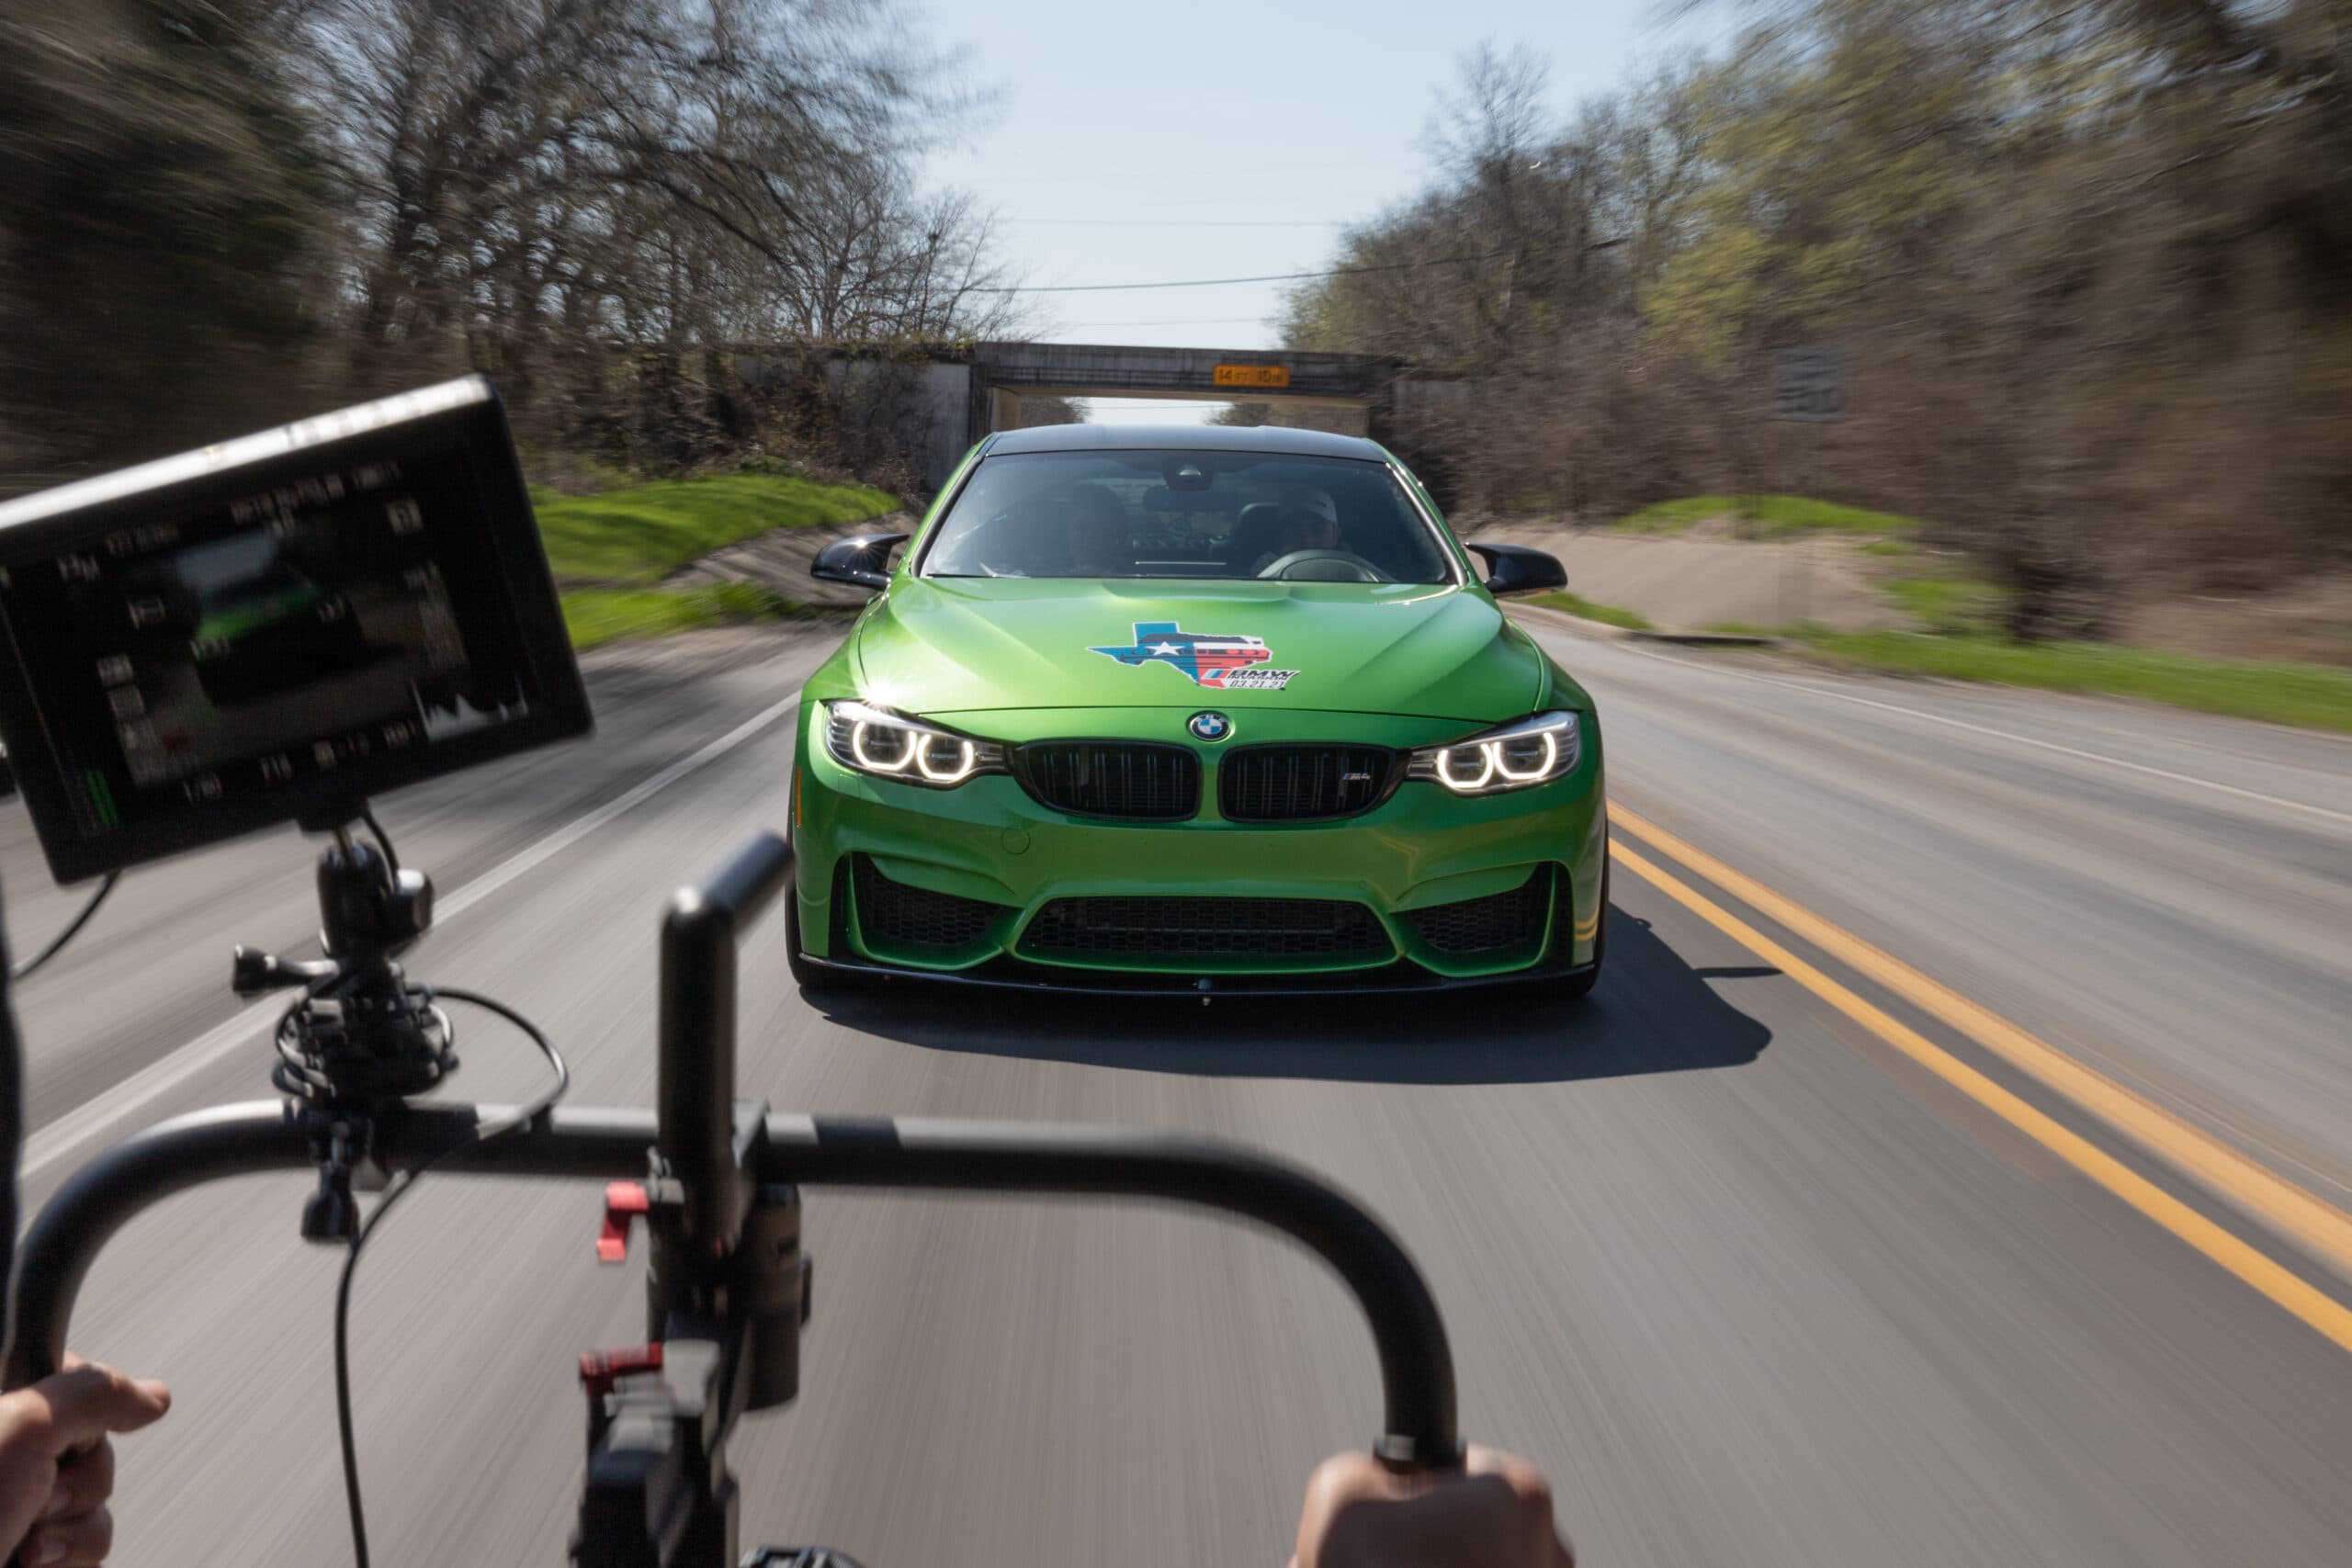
(1269,439)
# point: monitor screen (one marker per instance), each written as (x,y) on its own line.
(208,649)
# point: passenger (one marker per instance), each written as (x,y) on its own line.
(1095,536)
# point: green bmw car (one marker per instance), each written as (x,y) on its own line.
(1194,710)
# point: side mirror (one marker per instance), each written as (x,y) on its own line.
(1515,568)
(7,775)
(862,559)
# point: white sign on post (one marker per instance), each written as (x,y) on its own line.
(1809,385)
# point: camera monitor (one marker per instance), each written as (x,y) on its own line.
(276,628)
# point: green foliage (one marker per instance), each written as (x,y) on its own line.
(1962,604)
(1889,548)
(1770,516)
(639,536)
(2314,695)
(1834,154)
(607,615)
(1609,615)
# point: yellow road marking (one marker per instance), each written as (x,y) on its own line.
(2252,1185)
(2288,1290)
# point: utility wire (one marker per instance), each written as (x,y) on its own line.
(1264,277)
(1181,321)
(1179,222)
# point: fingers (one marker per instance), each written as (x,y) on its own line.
(84,1481)
(88,1401)
(1496,1510)
(81,1542)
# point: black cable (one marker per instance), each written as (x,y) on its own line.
(398,1188)
(383,840)
(72,928)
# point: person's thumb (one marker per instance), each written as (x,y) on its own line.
(87,1401)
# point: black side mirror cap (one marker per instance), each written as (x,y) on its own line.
(1516,568)
(862,559)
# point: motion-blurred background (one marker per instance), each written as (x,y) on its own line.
(2083,263)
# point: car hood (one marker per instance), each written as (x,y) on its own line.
(950,645)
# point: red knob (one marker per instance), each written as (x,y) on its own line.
(624,1202)
(599,1370)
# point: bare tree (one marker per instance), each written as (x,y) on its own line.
(2087,256)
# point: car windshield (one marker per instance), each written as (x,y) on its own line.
(1185,514)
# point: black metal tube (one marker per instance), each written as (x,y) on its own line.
(1408,1334)
(1415,1363)
(98,1199)
(696,1094)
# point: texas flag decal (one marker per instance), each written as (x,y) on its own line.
(1222,663)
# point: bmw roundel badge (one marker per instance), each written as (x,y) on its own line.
(1209,726)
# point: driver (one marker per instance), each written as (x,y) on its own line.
(1308,521)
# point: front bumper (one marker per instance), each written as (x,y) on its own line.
(1411,895)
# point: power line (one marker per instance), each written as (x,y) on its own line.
(1180,322)
(1218,282)
(1267,277)
(1179,222)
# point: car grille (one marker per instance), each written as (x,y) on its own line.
(1112,778)
(1299,783)
(893,914)
(1208,927)
(1499,922)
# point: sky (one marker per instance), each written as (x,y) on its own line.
(1150,141)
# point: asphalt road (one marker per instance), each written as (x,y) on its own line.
(1772,1253)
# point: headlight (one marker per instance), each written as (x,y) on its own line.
(892,746)
(1532,751)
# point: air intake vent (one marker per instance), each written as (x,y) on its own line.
(1501,922)
(892,914)
(1207,928)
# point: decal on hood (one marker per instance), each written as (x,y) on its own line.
(1224,663)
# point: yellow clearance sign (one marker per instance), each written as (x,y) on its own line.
(1253,374)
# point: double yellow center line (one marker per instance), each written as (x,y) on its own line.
(2250,1184)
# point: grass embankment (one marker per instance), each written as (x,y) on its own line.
(2310,694)
(1960,634)
(1609,615)
(1764,516)
(605,614)
(1964,642)
(608,550)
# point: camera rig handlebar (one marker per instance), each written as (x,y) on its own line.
(717,1181)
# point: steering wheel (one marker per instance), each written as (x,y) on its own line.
(1286,567)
